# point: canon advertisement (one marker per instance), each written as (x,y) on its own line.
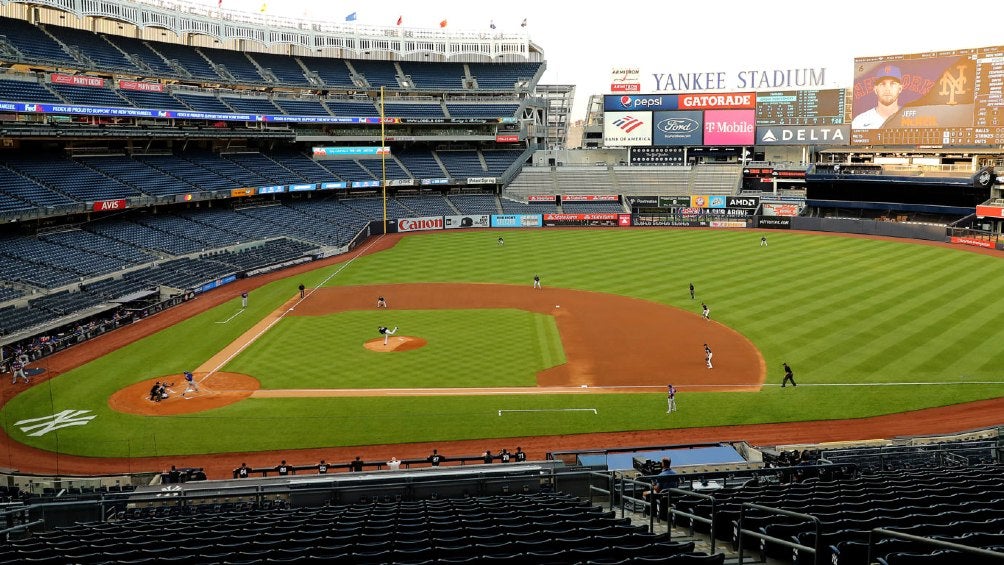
(420,224)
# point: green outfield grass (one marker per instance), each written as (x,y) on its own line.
(841,311)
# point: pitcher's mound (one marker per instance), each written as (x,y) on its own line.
(395,343)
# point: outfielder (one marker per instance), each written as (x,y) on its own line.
(708,355)
(705,311)
(536,281)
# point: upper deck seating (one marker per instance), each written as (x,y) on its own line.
(434,76)
(33,43)
(94,47)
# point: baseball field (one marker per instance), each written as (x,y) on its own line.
(871,327)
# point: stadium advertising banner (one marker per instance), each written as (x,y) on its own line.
(640,102)
(972,242)
(420,224)
(302,187)
(482,180)
(625,79)
(321,152)
(803,135)
(776,209)
(271,189)
(589,198)
(729,127)
(334,185)
(507,138)
(706,201)
(611,219)
(626,129)
(109,205)
(984,211)
(946,98)
(77,80)
(141,86)
(674,202)
(428,182)
(476,221)
(751,202)
(678,128)
(241,192)
(655,156)
(540,198)
(517,221)
(774,223)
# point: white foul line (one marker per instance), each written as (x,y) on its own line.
(283,315)
(232,317)
(593,410)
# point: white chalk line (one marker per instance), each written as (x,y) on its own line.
(593,410)
(283,315)
(238,313)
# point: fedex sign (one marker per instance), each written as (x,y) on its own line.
(614,103)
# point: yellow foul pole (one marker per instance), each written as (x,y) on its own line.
(383,161)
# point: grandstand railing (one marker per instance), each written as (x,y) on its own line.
(967,550)
(742,531)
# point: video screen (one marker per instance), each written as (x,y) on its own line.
(948,98)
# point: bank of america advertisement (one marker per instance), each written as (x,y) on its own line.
(626,129)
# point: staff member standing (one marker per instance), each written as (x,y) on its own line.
(788,376)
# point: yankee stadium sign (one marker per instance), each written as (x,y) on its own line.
(748,79)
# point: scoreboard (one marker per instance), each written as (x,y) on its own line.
(945,98)
(800,108)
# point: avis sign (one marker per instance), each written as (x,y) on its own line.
(109,205)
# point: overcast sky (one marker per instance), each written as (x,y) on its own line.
(582,44)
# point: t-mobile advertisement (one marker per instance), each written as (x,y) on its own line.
(729,127)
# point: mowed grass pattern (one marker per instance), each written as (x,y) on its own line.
(465,348)
(842,311)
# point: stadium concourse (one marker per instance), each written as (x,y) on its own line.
(942,420)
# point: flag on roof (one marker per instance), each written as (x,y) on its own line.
(491,26)
(442,23)
(219,3)
(264,7)
(523,24)
(351,17)
(400,19)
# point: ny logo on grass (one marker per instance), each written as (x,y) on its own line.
(46,424)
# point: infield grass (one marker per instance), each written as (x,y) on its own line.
(841,310)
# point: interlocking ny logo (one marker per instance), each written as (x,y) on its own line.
(46,424)
(950,86)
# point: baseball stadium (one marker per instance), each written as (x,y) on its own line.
(317,292)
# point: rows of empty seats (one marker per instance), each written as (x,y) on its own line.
(42,180)
(521,528)
(85,50)
(943,501)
